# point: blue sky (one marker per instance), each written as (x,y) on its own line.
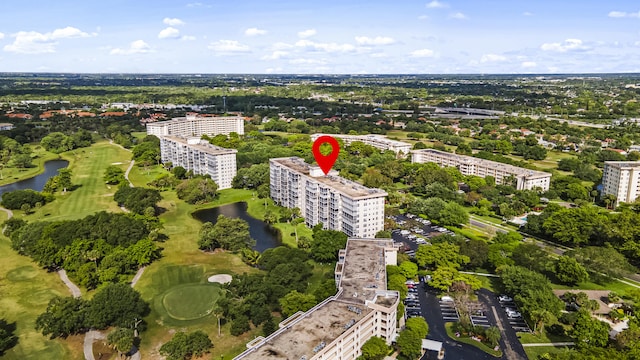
(285,36)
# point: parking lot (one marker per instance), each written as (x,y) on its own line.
(414,232)
(514,316)
(478,315)
(448,311)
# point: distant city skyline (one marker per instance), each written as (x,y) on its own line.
(330,37)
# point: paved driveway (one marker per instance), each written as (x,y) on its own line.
(509,343)
(430,306)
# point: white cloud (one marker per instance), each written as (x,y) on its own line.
(422,53)
(307,33)
(567,45)
(173,22)
(273,70)
(188,38)
(301,61)
(378,55)
(33,42)
(326,47)
(254,31)
(275,55)
(423,17)
(169,33)
(378,40)
(527,13)
(1,36)
(435,4)
(622,14)
(281,46)
(198,5)
(528,64)
(228,47)
(492,58)
(459,16)
(136,47)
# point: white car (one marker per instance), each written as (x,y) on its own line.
(405,232)
(514,314)
(446,298)
(504,298)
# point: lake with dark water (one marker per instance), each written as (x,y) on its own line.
(37,182)
(266,236)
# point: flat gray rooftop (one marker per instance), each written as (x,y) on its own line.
(203,146)
(347,187)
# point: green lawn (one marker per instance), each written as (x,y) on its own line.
(142,175)
(25,291)
(541,338)
(40,156)
(615,285)
(92,194)
(191,301)
(467,340)
(533,352)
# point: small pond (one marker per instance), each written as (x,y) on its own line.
(266,236)
(37,182)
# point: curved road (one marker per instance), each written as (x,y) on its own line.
(75,290)
(9,216)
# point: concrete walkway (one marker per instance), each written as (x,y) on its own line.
(89,337)
(9,216)
(137,276)
(550,344)
(126,173)
(75,290)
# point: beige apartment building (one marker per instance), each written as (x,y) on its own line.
(337,203)
(380,142)
(200,157)
(337,328)
(621,179)
(197,126)
(468,165)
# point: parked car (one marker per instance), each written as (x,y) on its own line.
(447,298)
(514,315)
(504,298)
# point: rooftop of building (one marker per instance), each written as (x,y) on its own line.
(201,145)
(195,118)
(347,187)
(364,270)
(622,164)
(370,137)
(470,160)
(310,332)
(320,326)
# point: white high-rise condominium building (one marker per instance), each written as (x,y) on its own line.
(337,203)
(468,165)
(197,126)
(621,179)
(402,149)
(200,157)
(337,328)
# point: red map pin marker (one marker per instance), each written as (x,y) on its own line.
(326,161)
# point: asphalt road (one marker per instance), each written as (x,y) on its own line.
(509,343)
(430,308)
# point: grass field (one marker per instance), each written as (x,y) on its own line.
(25,292)
(92,194)
(191,301)
(534,351)
(615,285)
(467,340)
(39,155)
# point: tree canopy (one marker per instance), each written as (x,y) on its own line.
(227,233)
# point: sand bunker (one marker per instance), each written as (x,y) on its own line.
(220,278)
